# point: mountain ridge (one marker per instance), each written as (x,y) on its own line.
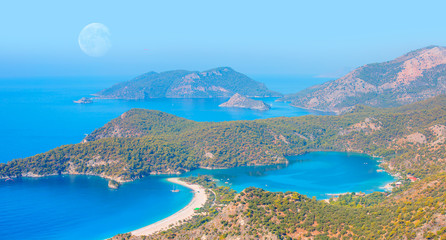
(414,76)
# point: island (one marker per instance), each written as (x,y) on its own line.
(239,101)
(222,82)
(84,100)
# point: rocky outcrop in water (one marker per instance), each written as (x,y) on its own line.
(239,101)
(84,100)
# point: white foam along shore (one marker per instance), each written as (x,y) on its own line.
(187,212)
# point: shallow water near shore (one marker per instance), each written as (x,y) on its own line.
(83,207)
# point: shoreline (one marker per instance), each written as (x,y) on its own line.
(198,201)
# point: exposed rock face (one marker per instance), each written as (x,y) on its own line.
(239,101)
(84,100)
(416,76)
(219,82)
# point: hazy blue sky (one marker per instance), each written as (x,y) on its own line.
(39,38)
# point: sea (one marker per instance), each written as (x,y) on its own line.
(38,114)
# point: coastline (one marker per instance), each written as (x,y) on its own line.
(185,213)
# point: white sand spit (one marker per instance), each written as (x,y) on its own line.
(187,212)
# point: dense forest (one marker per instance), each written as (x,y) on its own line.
(411,140)
(222,82)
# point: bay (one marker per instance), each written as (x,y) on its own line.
(38,114)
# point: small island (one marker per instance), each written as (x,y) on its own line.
(84,100)
(239,101)
(113,184)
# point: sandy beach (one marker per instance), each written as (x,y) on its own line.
(198,201)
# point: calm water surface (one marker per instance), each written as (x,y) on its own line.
(83,207)
(313,174)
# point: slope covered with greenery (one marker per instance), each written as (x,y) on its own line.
(218,82)
(417,211)
(411,140)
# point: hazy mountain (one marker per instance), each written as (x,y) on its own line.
(214,83)
(415,76)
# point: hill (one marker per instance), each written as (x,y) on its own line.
(415,76)
(215,83)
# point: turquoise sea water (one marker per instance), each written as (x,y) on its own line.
(313,174)
(38,114)
(83,207)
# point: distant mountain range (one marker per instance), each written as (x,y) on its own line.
(215,83)
(415,76)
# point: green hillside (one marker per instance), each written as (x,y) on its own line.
(411,140)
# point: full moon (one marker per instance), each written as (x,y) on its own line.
(94,39)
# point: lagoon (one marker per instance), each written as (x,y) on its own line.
(313,174)
(83,207)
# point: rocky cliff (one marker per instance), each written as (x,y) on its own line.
(415,76)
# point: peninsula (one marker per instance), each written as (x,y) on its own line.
(142,142)
(239,101)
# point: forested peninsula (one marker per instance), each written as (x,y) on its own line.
(411,140)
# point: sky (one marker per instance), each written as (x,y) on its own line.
(328,38)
